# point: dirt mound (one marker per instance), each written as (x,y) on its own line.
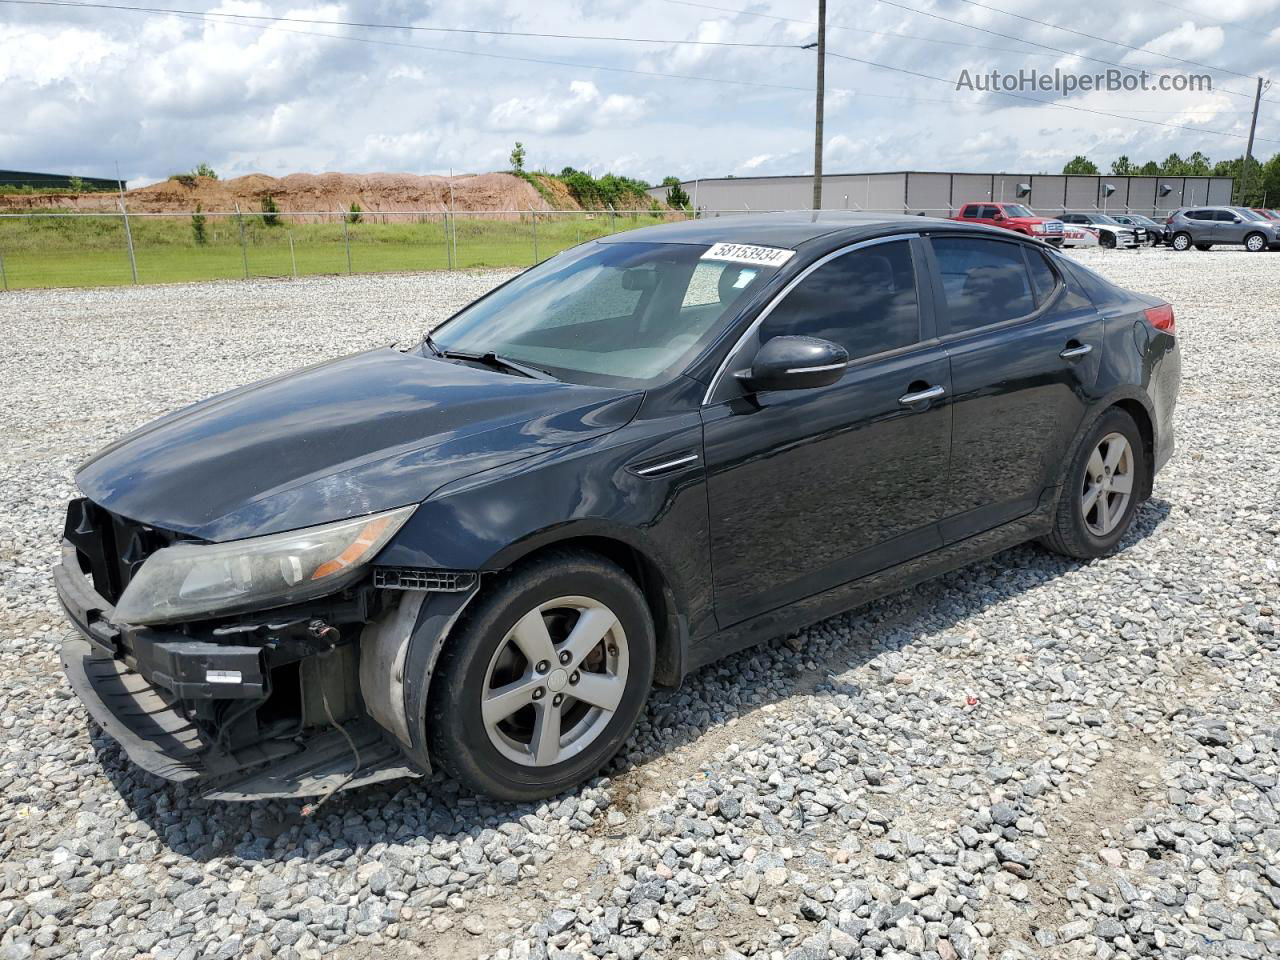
(319,193)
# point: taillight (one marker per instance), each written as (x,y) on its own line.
(1161,317)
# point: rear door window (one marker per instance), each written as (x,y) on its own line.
(984,281)
(864,300)
(970,212)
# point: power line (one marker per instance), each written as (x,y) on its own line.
(311,21)
(1117,43)
(863,30)
(1043,46)
(210,18)
(1046,103)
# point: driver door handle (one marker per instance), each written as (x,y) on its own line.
(1076,352)
(922,396)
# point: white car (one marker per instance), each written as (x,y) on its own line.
(1074,235)
(1107,232)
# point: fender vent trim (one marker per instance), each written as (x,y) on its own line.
(431,581)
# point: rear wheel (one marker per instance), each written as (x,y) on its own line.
(544,680)
(1102,489)
(1181,241)
(1255,243)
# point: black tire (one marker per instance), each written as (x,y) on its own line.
(1108,241)
(1258,241)
(1180,241)
(1071,535)
(459,739)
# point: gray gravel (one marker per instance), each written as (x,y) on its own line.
(1027,758)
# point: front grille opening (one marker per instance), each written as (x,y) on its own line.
(110,548)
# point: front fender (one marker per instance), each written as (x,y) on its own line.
(586,490)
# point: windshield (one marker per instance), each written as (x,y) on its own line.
(1249,214)
(611,314)
(1103,218)
(1017,210)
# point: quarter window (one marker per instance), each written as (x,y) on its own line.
(984,281)
(864,300)
(1043,279)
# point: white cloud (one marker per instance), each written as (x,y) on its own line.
(582,108)
(81,88)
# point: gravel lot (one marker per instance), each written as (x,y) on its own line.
(1028,758)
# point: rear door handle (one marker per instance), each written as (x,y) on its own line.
(922,396)
(1076,352)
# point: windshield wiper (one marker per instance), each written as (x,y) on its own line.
(492,359)
(430,344)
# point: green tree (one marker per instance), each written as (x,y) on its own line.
(1149,169)
(1173,166)
(197,226)
(1122,166)
(517,157)
(1269,183)
(1197,165)
(270,212)
(1080,164)
(204,170)
(677,196)
(77,184)
(354,213)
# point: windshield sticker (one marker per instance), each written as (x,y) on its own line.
(746,253)
(745,277)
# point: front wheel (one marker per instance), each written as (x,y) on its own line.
(1102,489)
(544,680)
(1108,241)
(1255,243)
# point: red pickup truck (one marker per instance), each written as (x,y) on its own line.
(1015,217)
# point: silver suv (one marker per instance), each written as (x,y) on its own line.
(1202,227)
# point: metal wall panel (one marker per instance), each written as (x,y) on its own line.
(970,188)
(1082,193)
(940,194)
(929,193)
(1220,189)
(1047,193)
(1142,195)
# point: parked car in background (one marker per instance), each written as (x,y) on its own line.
(1202,227)
(480,551)
(1074,235)
(1109,232)
(1269,214)
(1155,231)
(1015,217)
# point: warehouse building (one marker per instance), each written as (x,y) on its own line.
(56,181)
(942,194)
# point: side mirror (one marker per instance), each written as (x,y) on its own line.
(1237,219)
(795,363)
(998,216)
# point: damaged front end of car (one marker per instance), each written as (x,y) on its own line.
(278,666)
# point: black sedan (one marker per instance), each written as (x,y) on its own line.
(641,455)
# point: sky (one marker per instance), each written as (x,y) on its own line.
(84,89)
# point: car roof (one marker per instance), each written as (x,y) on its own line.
(785,229)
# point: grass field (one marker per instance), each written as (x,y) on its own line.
(92,250)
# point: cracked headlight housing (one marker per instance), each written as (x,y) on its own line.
(189,581)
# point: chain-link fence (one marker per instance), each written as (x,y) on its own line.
(66,249)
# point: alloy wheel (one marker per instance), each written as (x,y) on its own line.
(1255,242)
(554,681)
(1181,242)
(1108,485)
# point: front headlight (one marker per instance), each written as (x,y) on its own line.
(1039,227)
(193,580)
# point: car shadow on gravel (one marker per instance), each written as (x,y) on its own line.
(434,808)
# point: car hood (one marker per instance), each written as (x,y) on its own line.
(352,436)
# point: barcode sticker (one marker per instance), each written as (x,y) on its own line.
(747,253)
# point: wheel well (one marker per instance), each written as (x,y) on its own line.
(669,628)
(1143,419)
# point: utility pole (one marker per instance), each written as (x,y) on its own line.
(817,114)
(1248,150)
